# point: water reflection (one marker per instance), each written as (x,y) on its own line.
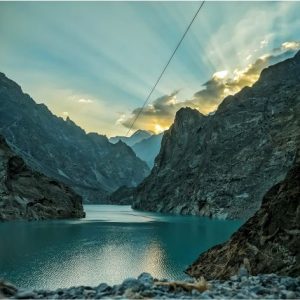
(154,260)
(112,243)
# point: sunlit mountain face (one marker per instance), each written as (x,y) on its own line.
(96,62)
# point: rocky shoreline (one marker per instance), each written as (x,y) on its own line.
(267,243)
(241,286)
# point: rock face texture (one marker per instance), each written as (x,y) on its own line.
(269,242)
(26,194)
(88,163)
(221,165)
(122,196)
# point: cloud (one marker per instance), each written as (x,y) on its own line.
(89,60)
(264,43)
(290,46)
(85,101)
(159,115)
(121,119)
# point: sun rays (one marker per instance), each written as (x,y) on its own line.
(109,60)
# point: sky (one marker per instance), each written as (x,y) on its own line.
(96,62)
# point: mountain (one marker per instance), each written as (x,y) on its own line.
(269,242)
(136,137)
(144,143)
(122,196)
(221,165)
(59,148)
(26,194)
(148,148)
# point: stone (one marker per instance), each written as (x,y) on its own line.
(103,287)
(148,293)
(255,289)
(241,296)
(146,279)
(234,278)
(102,294)
(59,291)
(196,293)
(288,294)
(131,283)
(243,272)
(7,289)
(25,294)
(89,293)
(267,287)
(205,295)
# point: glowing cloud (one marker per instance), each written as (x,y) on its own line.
(263,43)
(85,101)
(290,46)
(159,115)
(220,74)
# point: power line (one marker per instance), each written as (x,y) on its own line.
(164,69)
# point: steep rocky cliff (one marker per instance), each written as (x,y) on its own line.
(88,163)
(269,242)
(221,165)
(26,194)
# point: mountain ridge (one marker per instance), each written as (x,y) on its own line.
(88,162)
(221,165)
(136,137)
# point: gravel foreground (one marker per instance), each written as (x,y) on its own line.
(240,286)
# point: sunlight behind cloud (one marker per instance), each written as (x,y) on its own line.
(220,74)
(159,129)
(159,115)
(86,101)
(291,45)
(263,43)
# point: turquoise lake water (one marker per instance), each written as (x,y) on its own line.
(109,245)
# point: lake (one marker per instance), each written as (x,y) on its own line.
(112,243)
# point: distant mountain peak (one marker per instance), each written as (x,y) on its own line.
(136,137)
(142,131)
(187,114)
